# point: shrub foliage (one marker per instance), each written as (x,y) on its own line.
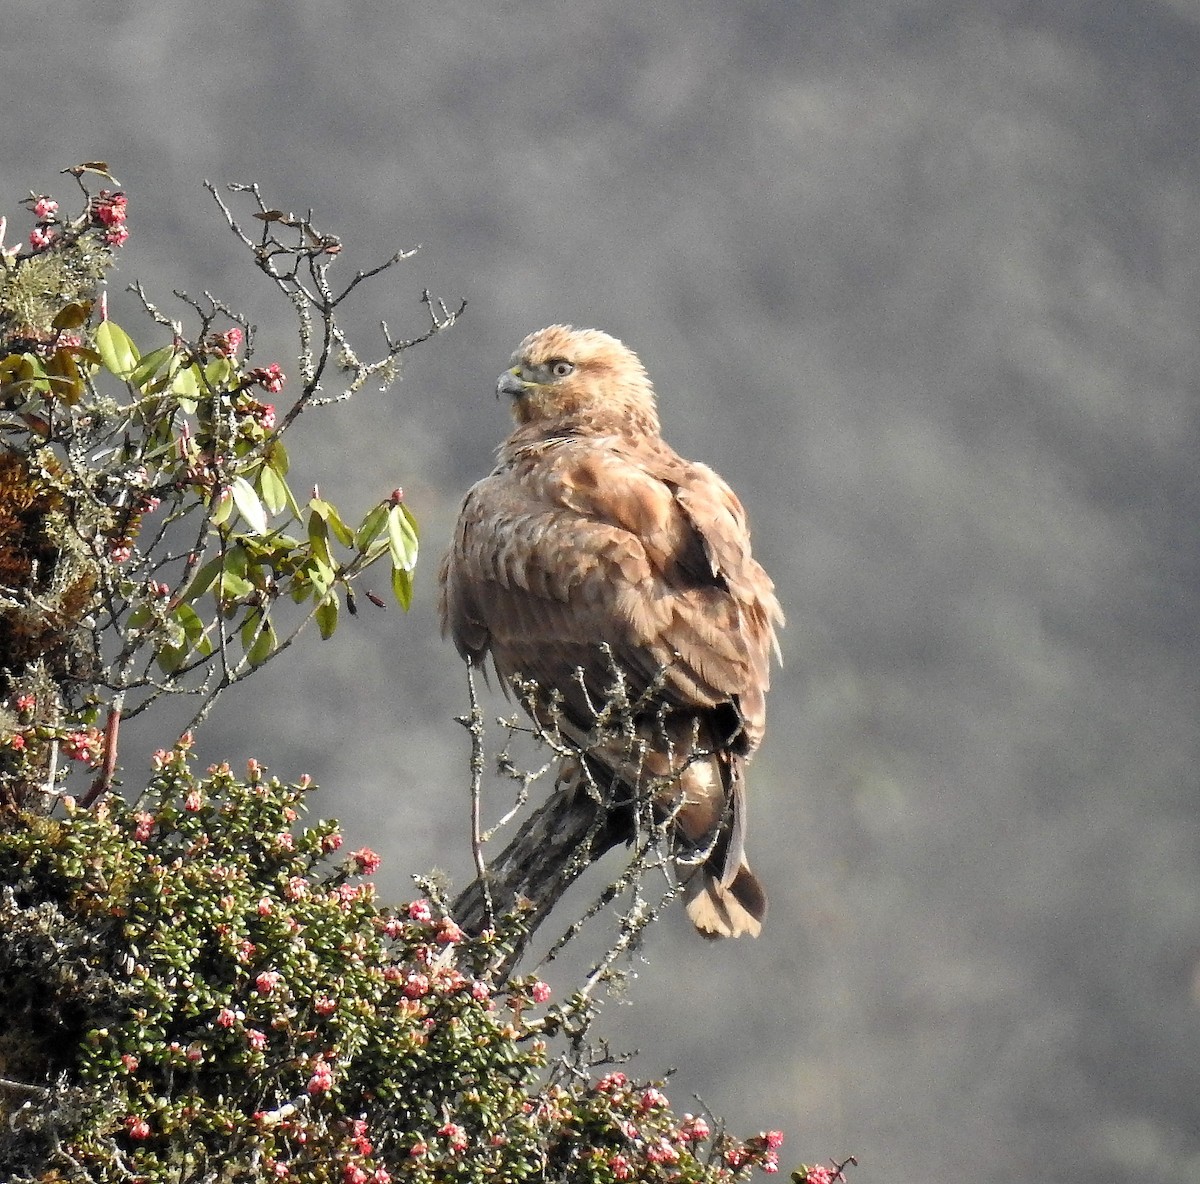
(209,992)
(198,985)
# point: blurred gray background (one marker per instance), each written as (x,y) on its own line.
(921,280)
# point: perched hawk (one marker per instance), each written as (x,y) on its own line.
(591,530)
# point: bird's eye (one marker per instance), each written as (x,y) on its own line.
(560,368)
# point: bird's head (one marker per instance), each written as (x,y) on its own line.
(581,380)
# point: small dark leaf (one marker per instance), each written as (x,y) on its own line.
(72,315)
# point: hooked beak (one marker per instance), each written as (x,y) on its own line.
(509,383)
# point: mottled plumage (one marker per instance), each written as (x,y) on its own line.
(591,530)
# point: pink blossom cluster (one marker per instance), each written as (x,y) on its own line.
(365,860)
(321,1081)
(84,745)
(226,344)
(261,415)
(611,1083)
(356,1173)
(45,210)
(271,378)
(455,1135)
(353,1173)
(346,895)
(110,209)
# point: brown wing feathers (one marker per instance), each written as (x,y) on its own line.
(592,530)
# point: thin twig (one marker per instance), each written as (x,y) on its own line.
(474,725)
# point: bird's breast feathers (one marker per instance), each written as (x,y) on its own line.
(586,541)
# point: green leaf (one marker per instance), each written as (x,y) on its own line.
(117,351)
(63,372)
(402,537)
(328,511)
(187,633)
(318,539)
(170,657)
(232,586)
(150,365)
(322,577)
(258,638)
(27,371)
(186,387)
(138,617)
(237,560)
(275,493)
(277,458)
(264,646)
(222,509)
(373,525)
(327,615)
(411,521)
(402,587)
(248,504)
(217,374)
(203,579)
(189,620)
